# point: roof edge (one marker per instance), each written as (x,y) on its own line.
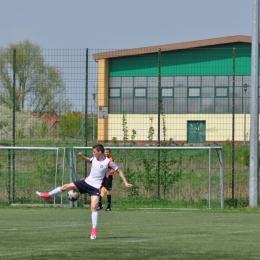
(171,47)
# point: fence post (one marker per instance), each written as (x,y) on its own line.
(86,100)
(222,199)
(254,111)
(9,176)
(72,163)
(233,125)
(209,179)
(13,127)
(86,116)
(159,123)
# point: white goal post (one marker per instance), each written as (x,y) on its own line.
(57,150)
(210,183)
(219,150)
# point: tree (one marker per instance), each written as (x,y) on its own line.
(26,124)
(39,86)
(72,124)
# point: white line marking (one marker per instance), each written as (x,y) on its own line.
(185,209)
(28,252)
(157,238)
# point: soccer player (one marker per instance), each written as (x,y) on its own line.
(108,183)
(100,168)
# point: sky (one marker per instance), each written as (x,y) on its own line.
(104,25)
(121,24)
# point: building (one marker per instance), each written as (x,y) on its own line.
(195,81)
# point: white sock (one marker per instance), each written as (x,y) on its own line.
(56,191)
(94,217)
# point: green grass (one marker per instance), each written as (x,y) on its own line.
(63,233)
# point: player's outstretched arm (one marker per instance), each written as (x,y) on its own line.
(128,185)
(80,154)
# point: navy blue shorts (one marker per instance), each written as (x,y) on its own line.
(83,187)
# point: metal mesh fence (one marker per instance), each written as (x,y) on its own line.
(138,97)
(23,170)
(182,176)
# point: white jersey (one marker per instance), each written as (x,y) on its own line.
(99,170)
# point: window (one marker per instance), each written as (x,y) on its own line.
(115,92)
(221,92)
(193,92)
(167,92)
(115,82)
(139,92)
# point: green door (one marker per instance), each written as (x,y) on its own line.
(196,131)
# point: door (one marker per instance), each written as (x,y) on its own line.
(196,131)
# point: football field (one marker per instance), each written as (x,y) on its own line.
(63,233)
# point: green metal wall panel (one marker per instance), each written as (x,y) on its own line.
(216,60)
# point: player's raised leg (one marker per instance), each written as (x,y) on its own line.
(56,191)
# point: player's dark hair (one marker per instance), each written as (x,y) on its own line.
(99,147)
(108,149)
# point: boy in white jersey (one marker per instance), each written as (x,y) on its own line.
(100,169)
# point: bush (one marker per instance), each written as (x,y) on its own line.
(114,141)
(246,158)
(236,203)
(25,122)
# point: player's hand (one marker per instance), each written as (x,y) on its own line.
(128,185)
(80,154)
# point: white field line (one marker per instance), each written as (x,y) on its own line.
(153,239)
(44,227)
(59,226)
(25,253)
(185,209)
(178,236)
(240,231)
